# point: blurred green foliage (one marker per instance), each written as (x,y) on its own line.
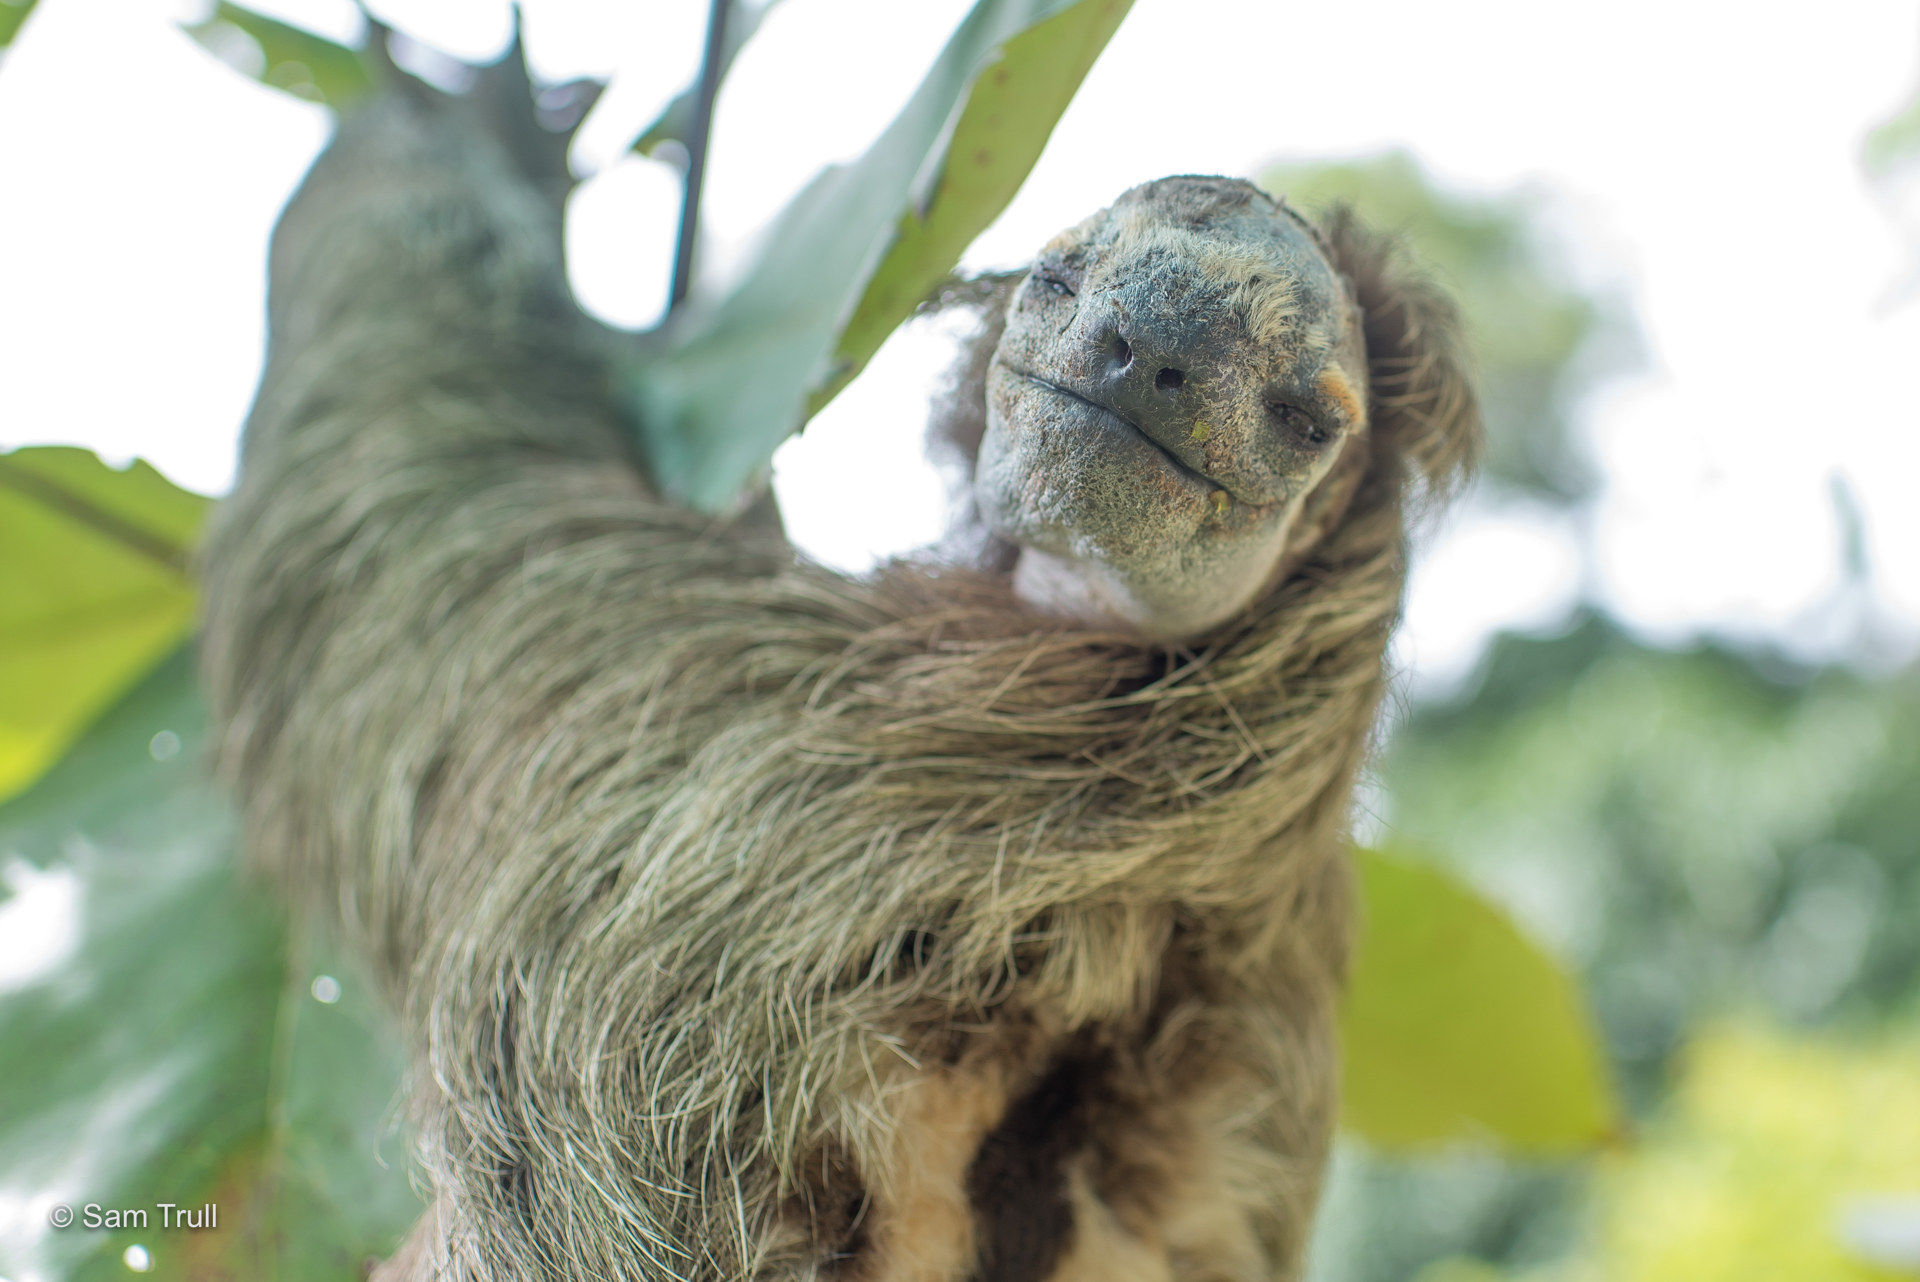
(1456,1026)
(1780,1156)
(288,58)
(177,1053)
(1533,331)
(1702,832)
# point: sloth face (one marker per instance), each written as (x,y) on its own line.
(1178,373)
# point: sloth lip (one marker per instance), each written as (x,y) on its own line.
(1181,468)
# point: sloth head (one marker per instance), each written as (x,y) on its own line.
(1179,374)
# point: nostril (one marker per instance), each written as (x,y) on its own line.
(1170,380)
(1122,353)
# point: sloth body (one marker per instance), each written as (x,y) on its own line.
(750,921)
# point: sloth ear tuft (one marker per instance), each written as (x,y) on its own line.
(1424,408)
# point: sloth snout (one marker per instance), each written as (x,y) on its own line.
(1152,373)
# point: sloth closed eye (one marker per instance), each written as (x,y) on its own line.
(1300,423)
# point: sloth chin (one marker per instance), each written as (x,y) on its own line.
(1113,530)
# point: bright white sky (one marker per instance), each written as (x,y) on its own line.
(1699,159)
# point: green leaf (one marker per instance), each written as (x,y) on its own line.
(728,380)
(177,1054)
(675,121)
(1457,1027)
(994,147)
(93,593)
(12,14)
(289,58)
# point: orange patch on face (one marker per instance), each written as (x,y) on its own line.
(1333,384)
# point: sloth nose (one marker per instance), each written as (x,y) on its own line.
(1153,372)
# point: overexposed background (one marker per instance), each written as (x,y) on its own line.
(1701,162)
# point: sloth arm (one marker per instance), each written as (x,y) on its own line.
(631,809)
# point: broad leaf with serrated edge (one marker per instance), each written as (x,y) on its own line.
(1456,1027)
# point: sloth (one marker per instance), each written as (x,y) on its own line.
(959,922)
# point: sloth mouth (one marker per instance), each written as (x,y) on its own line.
(1180,469)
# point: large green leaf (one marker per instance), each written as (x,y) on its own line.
(12,14)
(177,1055)
(291,58)
(1457,1027)
(93,593)
(993,149)
(857,249)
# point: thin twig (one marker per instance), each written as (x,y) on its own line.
(697,152)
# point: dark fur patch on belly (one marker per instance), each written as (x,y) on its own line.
(1017,1185)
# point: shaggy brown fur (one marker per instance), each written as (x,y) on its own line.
(751,921)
